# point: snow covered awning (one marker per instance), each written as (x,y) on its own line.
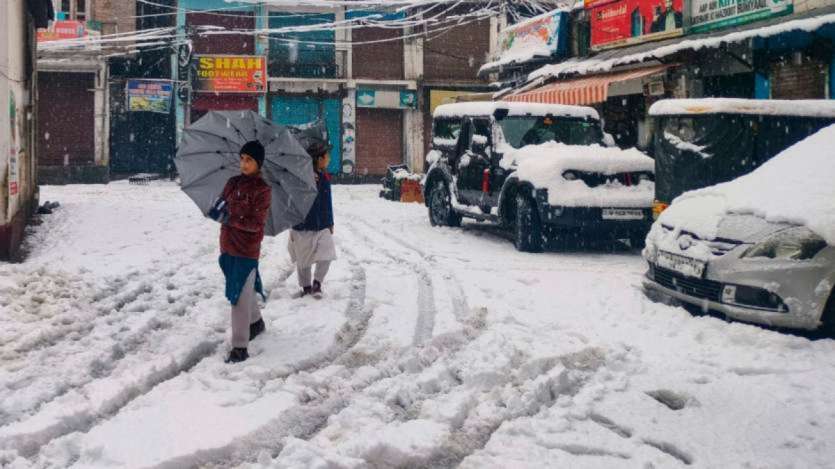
(815,108)
(811,21)
(583,90)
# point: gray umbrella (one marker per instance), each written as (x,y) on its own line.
(209,155)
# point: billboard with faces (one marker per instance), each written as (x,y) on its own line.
(617,23)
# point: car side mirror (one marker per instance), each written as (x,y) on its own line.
(479,145)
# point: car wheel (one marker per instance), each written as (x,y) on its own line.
(440,206)
(827,327)
(637,241)
(528,229)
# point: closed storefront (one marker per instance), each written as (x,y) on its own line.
(799,76)
(302,110)
(379,140)
(66,115)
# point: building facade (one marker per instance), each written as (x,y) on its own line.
(627,54)
(18,99)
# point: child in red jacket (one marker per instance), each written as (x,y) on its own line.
(247,199)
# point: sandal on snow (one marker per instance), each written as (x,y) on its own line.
(237,355)
(316,291)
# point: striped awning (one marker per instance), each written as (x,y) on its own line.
(589,90)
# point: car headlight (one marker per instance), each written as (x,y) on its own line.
(794,243)
(569,176)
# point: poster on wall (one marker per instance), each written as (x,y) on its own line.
(624,22)
(348,132)
(386,99)
(708,15)
(541,36)
(229,74)
(13,145)
(149,95)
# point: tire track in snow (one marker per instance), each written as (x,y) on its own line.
(102,350)
(425,321)
(126,343)
(304,420)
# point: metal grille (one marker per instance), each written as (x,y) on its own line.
(697,287)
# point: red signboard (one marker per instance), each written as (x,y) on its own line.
(230,73)
(616,23)
(59,30)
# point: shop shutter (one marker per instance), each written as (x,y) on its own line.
(806,80)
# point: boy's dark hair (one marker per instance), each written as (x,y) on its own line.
(254,149)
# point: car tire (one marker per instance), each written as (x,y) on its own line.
(827,327)
(441,212)
(527,227)
(637,241)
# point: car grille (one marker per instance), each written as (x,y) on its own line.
(598,179)
(696,287)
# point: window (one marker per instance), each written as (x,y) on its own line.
(72,10)
(445,132)
(532,130)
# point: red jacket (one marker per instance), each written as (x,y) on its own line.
(248,202)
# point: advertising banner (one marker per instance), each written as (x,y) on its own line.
(708,15)
(386,99)
(625,22)
(149,95)
(230,74)
(542,36)
(65,29)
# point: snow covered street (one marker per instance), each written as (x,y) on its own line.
(433,347)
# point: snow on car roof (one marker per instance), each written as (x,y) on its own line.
(793,187)
(772,107)
(486,108)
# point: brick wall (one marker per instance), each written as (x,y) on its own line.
(379,140)
(458,53)
(116,16)
(379,61)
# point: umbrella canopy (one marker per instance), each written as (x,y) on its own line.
(209,155)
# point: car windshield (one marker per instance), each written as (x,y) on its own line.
(520,131)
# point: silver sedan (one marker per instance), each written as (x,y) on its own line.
(756,271)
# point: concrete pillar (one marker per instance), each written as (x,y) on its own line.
(413,118)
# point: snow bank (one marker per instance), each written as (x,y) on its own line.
(793,187)
(772,107)
(543,166)
(486,108)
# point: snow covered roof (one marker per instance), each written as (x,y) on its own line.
(793,187)
(609,59)
(486,108)
(773,107)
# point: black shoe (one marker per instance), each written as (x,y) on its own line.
(237,355)
(256,328)
(305,291)
(316,291)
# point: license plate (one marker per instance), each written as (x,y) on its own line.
(681,264)
(622,214)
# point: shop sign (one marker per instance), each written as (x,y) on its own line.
(149,95)
(542,36)
(60,30)
(386,99)
(230,73)
(625,22)
(708,15)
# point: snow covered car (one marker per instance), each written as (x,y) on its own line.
(760,248)
(691,147)
(540,170)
